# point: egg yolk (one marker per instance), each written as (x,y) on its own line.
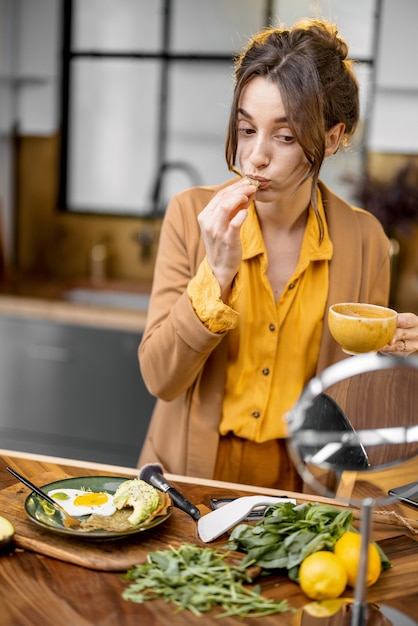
(91,499)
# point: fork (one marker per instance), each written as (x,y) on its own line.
(68,520)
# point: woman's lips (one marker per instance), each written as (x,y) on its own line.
(262,182)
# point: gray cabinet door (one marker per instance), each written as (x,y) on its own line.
(71,391)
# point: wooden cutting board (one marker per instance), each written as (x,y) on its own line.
(112,555)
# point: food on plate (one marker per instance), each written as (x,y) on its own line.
(347,549)
(80,502)
(7,532)
(135,502)
(322,576)
(142,497)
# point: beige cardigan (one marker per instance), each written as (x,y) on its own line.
(183,364)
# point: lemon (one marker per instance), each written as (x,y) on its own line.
(322,576)
(347,549)
(324,608)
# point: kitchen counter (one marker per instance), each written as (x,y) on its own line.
(73,313)
(60,301)
(38,588)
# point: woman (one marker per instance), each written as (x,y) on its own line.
(246,271)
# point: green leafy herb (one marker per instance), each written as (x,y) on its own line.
(288,533)
(198,579)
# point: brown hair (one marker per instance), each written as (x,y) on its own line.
(316,82)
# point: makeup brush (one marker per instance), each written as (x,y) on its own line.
(152,473)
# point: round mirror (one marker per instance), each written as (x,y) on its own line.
(358,415)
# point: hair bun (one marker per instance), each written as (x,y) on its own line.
(340,47)
(326,33)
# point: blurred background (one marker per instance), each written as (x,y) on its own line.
(107,108)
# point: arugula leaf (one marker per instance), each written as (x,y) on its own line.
(198,579)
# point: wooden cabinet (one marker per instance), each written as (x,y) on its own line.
(71,391)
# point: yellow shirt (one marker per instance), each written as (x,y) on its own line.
(272,348)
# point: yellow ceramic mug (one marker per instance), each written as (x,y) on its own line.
(360,327)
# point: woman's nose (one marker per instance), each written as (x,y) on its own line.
(259,154)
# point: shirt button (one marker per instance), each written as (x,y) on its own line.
(255,414)
(272,327)
(292,286)
(266,371)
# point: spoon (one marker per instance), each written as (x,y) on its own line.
(68,520)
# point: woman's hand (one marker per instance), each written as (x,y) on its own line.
(220,223)
(405,339)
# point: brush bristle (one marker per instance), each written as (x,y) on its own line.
(148,469)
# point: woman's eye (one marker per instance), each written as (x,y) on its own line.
(285,138)
(246,131)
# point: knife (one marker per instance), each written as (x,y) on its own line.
(214,524)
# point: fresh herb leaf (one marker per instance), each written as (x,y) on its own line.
(288,533)
(198,579)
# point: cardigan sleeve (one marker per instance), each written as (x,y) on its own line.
(176,344)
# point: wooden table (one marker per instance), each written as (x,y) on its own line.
(39,589)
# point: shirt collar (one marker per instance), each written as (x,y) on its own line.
(253,243)
(251,237)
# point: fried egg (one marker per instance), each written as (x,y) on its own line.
(79,502)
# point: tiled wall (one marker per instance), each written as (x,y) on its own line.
(56,244)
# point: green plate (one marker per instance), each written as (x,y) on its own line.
(43,514)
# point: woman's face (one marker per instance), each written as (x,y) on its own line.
(266,148)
